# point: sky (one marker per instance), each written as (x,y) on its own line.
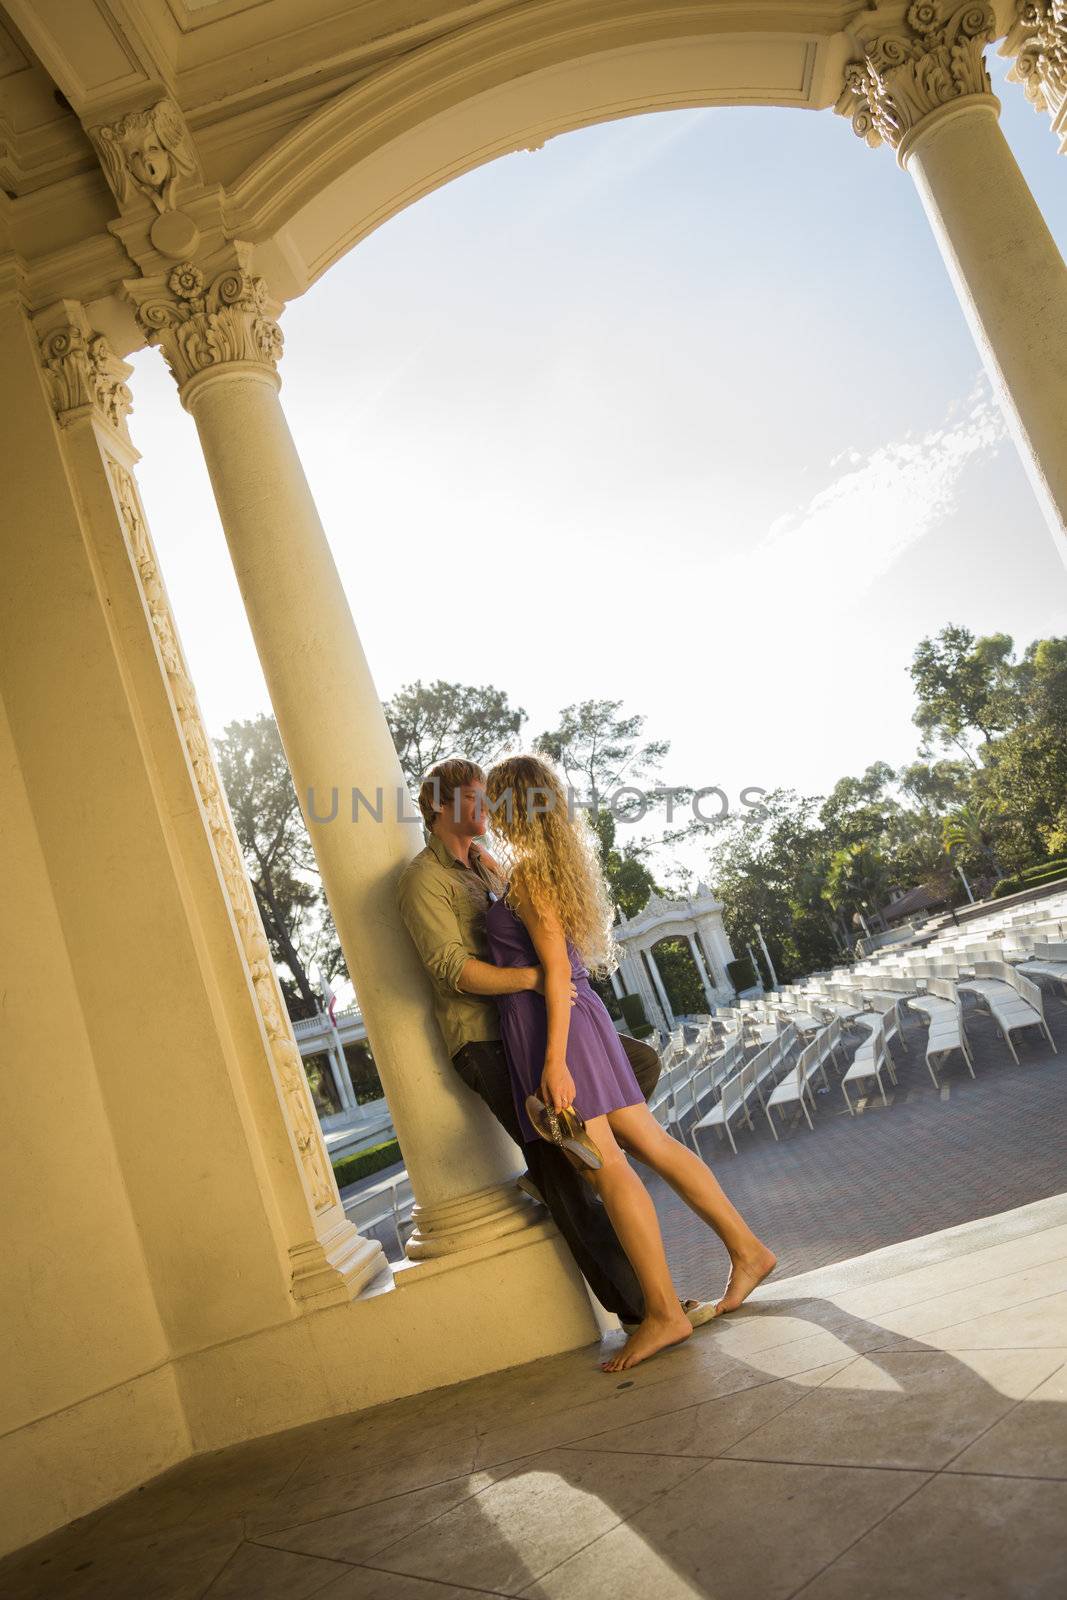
(682,411)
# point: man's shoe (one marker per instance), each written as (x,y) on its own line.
(698,1312)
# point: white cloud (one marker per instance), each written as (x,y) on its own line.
(851,532)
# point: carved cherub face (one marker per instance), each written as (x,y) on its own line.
(149,162)
(147,151)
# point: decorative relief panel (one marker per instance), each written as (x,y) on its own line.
(283,1047)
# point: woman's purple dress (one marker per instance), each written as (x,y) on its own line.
(603,1077)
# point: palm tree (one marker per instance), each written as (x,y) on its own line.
(970,830)
(857,877)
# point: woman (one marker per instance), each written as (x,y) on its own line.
(556,913)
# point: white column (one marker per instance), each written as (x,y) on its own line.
(339,1073)
(617,986)
(222,347)
(660,990)
(716,968)
(641,985)
(342,1076)
(702,969)
(923,88)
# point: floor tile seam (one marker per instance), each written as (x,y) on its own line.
(385,1548)
(537,1578)
(963,1230)
(674,1411)
(751,1388)
(438,1583)
(947,1326)
(956,1349)
(1001,1477)
(698,1466)
(784,1345)
(330,1577)
(220,1570)
(399,1495)
(839,1466)
(877,1523)
(1020,1401)
(336,1561)
(980,1283)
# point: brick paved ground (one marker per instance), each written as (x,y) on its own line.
(931,1160)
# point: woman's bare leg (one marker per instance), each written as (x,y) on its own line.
(750,1260)
(633,1216)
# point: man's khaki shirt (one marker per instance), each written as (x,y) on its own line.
(443,904)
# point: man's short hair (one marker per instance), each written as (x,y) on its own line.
(438,788)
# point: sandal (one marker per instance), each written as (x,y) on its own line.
(565,1129)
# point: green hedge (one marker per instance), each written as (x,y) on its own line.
(741,974)
(1032,878)
(633,1012)
(362,1163)
(1043,868)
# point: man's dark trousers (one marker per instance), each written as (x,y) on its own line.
(572,1202)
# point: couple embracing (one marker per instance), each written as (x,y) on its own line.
(509,948)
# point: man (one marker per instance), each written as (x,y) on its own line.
(443,894)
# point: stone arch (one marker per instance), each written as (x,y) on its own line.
(508,86)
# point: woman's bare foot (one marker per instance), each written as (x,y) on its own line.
(654,1334)
(746,1271)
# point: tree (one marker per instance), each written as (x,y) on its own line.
(431,721)
(685,991)
(600,750)
(629,880)
(856,880)
(964,686)
(277,852)
(768,866)
(971,833)
(1029,777)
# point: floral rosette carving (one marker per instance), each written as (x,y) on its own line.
(905,76)
(200,324)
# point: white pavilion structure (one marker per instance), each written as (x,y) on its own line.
(697,919)
(178,1272)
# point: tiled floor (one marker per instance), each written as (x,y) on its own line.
(889,1427)
(934,1158)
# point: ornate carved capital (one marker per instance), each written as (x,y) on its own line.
(1038,41)
(146,153)
(81,370)
(200,324)
(933,59)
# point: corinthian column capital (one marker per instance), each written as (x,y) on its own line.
(1038,41)
(931,60)
(207,321)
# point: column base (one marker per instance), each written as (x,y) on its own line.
(458,1226)
(337,1266)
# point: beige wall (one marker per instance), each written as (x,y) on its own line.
(152,1199)
(79,1315)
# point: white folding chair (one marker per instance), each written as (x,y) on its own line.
(732,1102)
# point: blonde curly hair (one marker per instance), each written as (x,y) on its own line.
(551,854)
